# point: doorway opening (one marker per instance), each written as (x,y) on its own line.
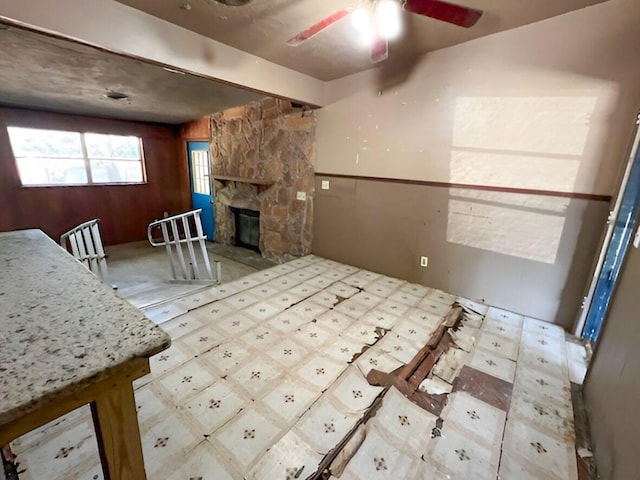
(201,192)
(622,223)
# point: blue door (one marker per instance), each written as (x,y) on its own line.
(201,196)
(624,226)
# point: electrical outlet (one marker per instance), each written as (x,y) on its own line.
(301,196)
(325,184)
(424,261)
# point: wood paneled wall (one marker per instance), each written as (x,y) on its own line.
(124,210)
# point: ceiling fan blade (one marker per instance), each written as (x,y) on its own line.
(379,49)
(315,29)
(447,12)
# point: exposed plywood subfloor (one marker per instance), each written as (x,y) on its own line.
(259,383)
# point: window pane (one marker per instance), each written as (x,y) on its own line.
(112,146)
(35,142)
(116,171)
(52,171)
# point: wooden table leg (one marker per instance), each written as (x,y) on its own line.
(116,424)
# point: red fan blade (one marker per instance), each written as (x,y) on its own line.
(315,29)
(447,12)
(379,49)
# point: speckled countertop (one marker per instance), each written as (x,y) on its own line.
(61,328)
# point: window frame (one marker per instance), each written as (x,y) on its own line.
(85,158)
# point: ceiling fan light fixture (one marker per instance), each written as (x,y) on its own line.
(388,18)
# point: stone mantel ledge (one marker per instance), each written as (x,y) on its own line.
(253,181)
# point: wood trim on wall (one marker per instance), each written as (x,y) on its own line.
(489,188)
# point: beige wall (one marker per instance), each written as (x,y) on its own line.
(612,389)
(549,106)
(546,106)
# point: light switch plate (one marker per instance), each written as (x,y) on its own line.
(325,184)
(301,196)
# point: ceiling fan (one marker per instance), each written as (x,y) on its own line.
(379,21)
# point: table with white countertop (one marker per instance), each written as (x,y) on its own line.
(67,340)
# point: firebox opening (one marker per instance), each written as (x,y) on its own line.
(247,228)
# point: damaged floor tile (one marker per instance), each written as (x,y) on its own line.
(267,376)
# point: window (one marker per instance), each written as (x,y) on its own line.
(51,157)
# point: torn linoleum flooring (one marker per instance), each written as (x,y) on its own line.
(314,369)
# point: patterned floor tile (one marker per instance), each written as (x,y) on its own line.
(493,364)
(352,391)
(402,419)
(287,352)
(288,459)
(195,300)
(287,321)
(394,308)
(313,336)
(186,380)
(398,347)
(374,358)
(406,298)
(499,345)
(203,339)
(263,310)
(319,371)
(335,321)
(226,357)
(342,290)
(433,306)
(255,375)
(367,299)
(165,442)
(342,350)
(324,426)
(183,324)
(363,333)
(473,306)
(324,298)
(505,316)
(352,308)
(308,309)
(62,455)
(235,324)
(460,458)
(376,459)
(476,419)
(246,438)
(538,452)
(149,404)
(380,318)
(203,463)
(241,300)
(164,313)
(214,406)
(261,337)
(263,291)
(289,400)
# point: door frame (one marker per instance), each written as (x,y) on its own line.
(611,223)
(188,148)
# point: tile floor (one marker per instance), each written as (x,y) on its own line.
(260,384)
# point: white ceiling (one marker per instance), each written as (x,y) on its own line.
(123,46)
(263,27)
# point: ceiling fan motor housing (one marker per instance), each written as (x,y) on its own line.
(234,3)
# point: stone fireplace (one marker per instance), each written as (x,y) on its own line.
(262,160)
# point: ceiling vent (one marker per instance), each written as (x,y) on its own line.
(232,3)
